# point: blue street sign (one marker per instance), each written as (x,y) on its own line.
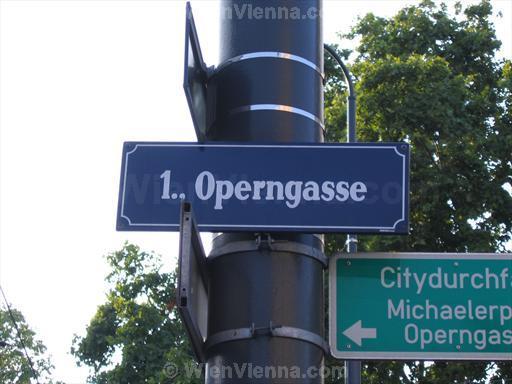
(317,188)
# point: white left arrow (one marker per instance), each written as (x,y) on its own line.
(357,333)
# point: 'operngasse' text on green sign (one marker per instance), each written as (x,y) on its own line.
(421,306)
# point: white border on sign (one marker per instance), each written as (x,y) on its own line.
(377,355)
(250,226)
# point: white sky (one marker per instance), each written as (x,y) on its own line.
(77,78)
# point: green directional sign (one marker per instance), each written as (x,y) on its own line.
(421,306)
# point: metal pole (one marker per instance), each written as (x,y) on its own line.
(352,367)
(266,294)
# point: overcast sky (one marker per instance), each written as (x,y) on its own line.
(78,78)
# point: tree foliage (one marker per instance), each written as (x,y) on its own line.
(136,333)
(425,76)
(14,366)
(431,78)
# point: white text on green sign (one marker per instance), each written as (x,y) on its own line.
(421,306)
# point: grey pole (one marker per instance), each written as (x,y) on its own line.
(266,294)
(352,367)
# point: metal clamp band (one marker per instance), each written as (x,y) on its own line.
(302,334)
(226,336)
(276,246)
(318,236)
(271,331)
(278,107)
(272,55)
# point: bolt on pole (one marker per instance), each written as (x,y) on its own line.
(266,294)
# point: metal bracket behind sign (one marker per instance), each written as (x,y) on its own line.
(195,78)
(277,246)
(192,282)
(271,330)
